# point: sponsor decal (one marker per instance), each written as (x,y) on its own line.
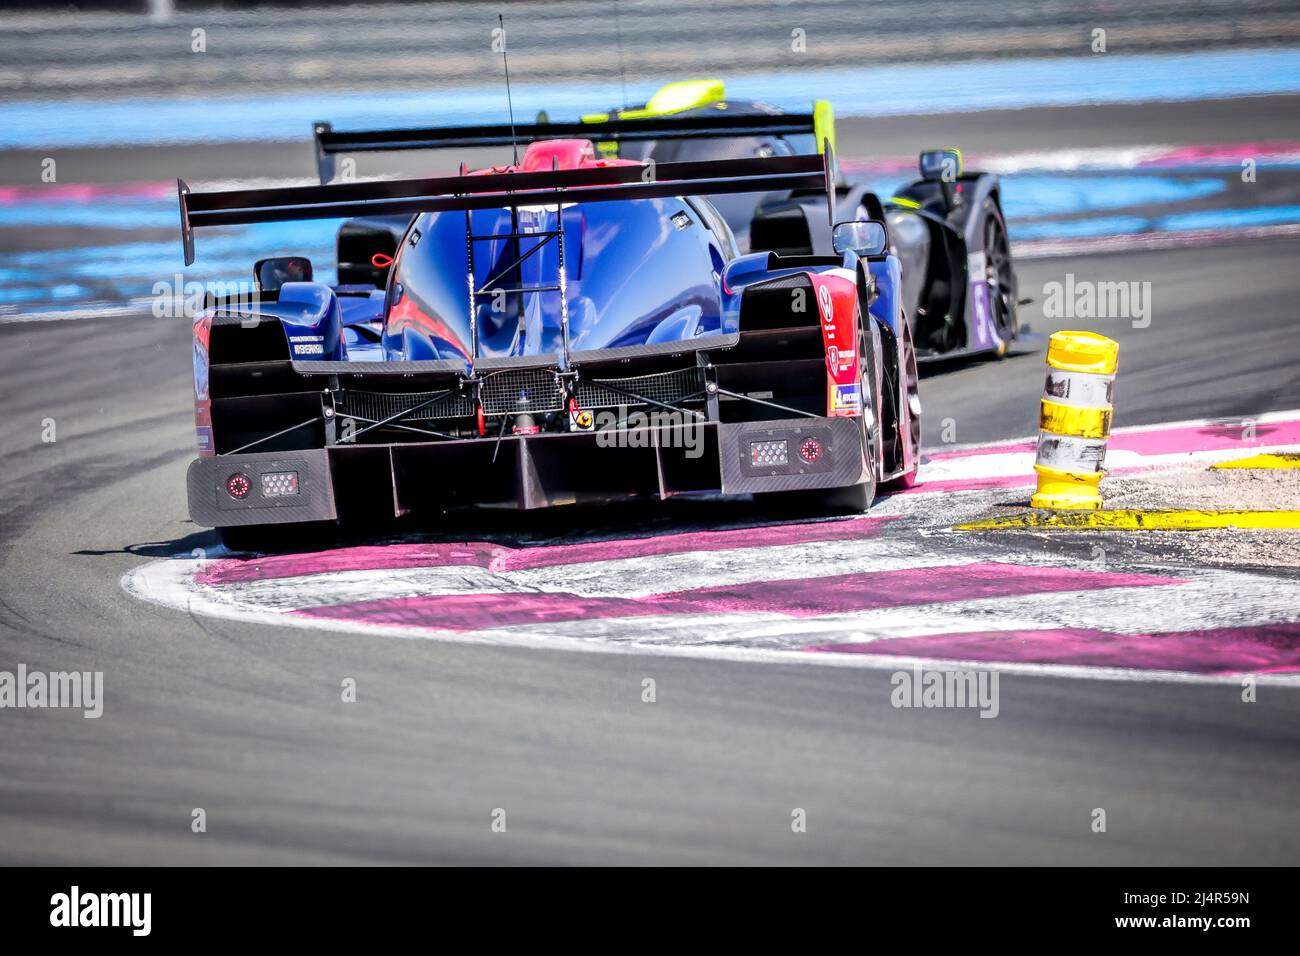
(848,397)
(307,344)
(976,267)
(826,307)
(843,388)
(840,360)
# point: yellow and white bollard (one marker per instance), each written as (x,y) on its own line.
(1075,420)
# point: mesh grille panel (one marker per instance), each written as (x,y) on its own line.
(796,281)
(381,405)
(521,390)
(670,388)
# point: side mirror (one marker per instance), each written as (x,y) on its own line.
(941,165)
(270,274)
(866,237)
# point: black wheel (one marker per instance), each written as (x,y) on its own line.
(849,499)
(909,418)
(854,499)
(1001,279)
(271,538)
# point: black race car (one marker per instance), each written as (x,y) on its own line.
(947,228)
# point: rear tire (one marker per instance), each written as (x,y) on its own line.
(848,499)
(909,420)
(272,538)
(855,499)
(851,499)
(1000,276)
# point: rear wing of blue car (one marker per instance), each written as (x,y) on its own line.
(331,142)
(503,190)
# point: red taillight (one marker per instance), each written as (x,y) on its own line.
(238,486)
(810,450)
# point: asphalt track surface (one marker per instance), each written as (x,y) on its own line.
(245,721)
(59,53)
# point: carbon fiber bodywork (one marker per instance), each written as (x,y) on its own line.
(212,505)
(527,472)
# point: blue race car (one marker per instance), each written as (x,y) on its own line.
(566,329)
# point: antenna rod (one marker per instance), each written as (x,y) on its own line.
(618,33)
(514,142)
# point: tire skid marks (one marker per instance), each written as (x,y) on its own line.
(615,577)
(774,630)
(796,597)
(352,587)
(835,579)
(500,557)
(642,577)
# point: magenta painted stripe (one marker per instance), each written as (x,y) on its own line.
(1269,648)
(803,597)
(878,167)
(1191,155)
(1172,441)
(85,192)
(502,558)
(909,587)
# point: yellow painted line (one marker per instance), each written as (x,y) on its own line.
(1261,461)
(1073,420)
(905,202)
(1126,520)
